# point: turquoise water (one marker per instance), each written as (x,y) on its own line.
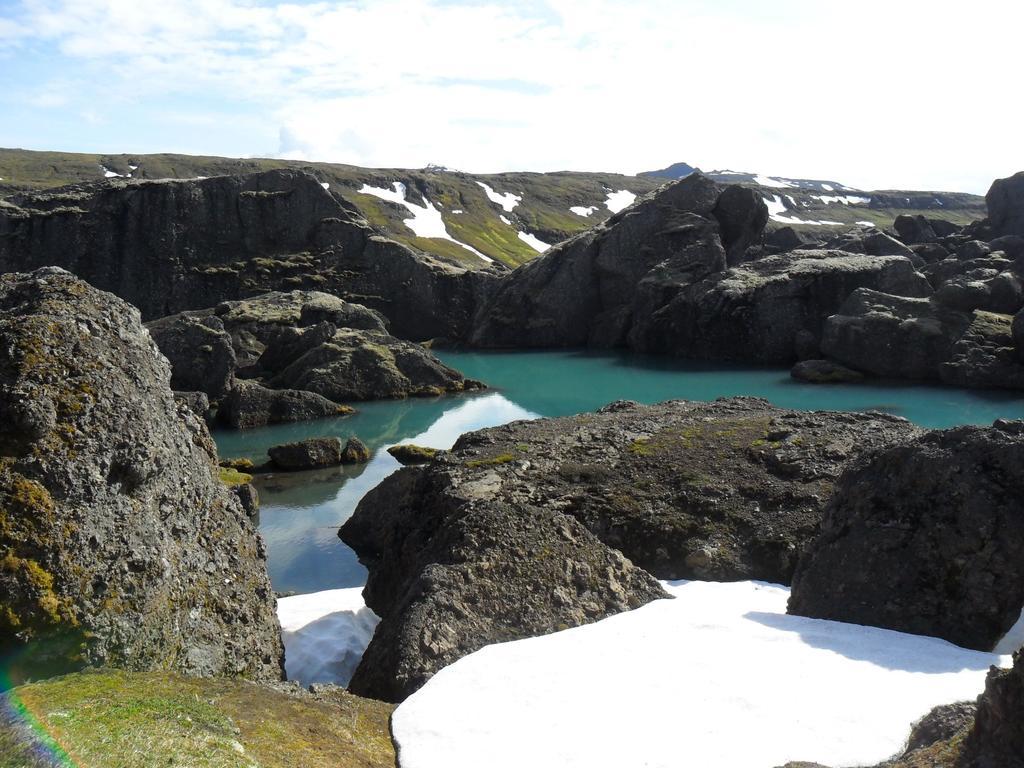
(301,512)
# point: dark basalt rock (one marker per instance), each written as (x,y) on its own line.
(985,355)
(913,338)
(1005,201)
(997,740)
(369,365)
(771,310)
(824,372)
(1018,334)
(872,242)
(168,246)
(941,516)
(119,546)
(727,490)
(595,288)
(197,402)
(918,229)
(200,353)
(893,336)
(250,404)
(454,568)
(308,454)
(318,452)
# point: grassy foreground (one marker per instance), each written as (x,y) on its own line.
(114,719)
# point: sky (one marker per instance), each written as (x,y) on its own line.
(877,95)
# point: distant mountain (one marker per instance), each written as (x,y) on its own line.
(474,219)
(675,171)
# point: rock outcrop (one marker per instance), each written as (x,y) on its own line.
(941,517)
(454,569)
(295,355)
(771,310)
(168,246)
(456,548)
(319,452)
(594,289)
(1005,201)
(119,546)
(250,404)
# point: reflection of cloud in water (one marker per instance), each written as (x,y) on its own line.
(489,411)
(301,511)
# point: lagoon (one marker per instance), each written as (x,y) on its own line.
(301,512)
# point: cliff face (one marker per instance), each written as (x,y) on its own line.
(168,246)
(119,546)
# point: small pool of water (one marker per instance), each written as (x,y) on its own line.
(301,512)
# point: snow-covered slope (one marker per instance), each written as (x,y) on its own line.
(720,676)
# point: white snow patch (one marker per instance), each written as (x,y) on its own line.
(533,241)
(426,220)
(584,211)
(768,181)
(844,199)
(133,167)
(325,185)
(1013,639)
(508,201)
(457,210)
(109,174)
(866,223)
(619,200)
(504,219)
(828,187)
(325,634)
(729,173)
(776,207)
(720,675)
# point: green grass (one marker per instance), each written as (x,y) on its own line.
(113,719)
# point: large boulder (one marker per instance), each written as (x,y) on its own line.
(200,352)
(771,310)
(119,546)
(368,365)
(168,246)
(1005,200)
(593,288)
(317,452)
(893,336)
(925,537)
(250,404)
(454,568)
(985,355)
(917,229)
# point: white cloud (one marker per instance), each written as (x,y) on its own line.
(880,95)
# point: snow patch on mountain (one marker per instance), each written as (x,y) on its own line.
(507,201)
(426,220)
(620,200)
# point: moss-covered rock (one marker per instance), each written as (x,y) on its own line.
(119,544)
(412,454)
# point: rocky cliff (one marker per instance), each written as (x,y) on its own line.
(167,246)
(118,544)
